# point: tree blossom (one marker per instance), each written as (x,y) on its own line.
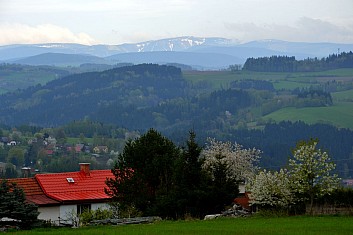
(271,189)
(311,171)
(240,162)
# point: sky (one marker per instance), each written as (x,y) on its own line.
(115,22)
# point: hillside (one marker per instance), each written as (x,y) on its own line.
(234,106)
(60,59)
(89,94)
(201,61)
(144,96)
(15,76)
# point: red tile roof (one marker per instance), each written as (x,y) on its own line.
(84,188)
(243,200)
(34,194)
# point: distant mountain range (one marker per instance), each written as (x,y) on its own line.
(202,53)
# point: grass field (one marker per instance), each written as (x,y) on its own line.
(22,80)
(253,225)
(343,96)
(284,80)
(340,115)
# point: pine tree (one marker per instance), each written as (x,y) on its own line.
(13,205)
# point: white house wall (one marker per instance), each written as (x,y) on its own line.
(65,212)
(102,206)
(241,188)
(49,213)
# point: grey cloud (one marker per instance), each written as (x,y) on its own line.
(306,29)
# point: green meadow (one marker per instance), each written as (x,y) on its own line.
(282,80)
(23,79)
(227,226)
(340,115)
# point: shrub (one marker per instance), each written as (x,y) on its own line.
(100,214)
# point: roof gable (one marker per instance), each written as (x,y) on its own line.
(34,193)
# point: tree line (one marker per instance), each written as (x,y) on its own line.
(155,177)
(290,64)
(275,140)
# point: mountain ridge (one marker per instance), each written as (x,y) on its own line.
(187,44)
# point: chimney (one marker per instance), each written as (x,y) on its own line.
(84,167)
(26,172)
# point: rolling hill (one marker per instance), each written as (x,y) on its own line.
(60,59)
(196,60)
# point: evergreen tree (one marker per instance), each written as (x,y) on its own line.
(13,205)
(143,175)
(189,178)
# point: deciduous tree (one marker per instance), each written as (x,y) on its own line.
(227,164)
(271,189)
(311,171)
(240,162)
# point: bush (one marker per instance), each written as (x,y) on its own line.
(89,215)
(272,212)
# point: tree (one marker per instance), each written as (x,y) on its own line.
(271,190)
(189,182)
(16,156)
(228,165)
(60,136)
(10,171)
(13,205)
(310,170)
(143,174)
(240,162)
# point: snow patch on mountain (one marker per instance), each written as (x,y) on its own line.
(51,46)
(173,44)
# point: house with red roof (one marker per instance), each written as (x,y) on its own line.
(61,195)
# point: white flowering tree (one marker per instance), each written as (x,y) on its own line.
(271,189)
(240,163)
(311,172)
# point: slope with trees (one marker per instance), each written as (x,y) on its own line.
(290,64)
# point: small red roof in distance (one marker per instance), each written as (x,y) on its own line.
(243,201)
(75,186)
(33,192)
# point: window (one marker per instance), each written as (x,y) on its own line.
(70,180)
(82,208)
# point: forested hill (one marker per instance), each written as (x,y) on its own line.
(137,98)
(91,94)
(290,64)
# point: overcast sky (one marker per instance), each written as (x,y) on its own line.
(128,21)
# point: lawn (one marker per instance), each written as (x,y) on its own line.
(253,225)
